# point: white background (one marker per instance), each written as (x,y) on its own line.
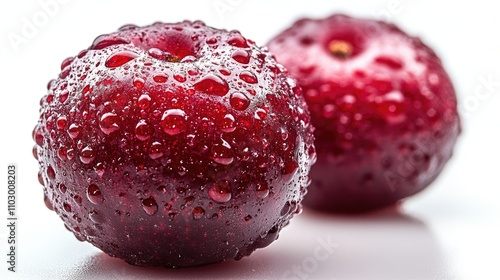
(449,231)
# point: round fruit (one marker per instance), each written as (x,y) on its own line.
(384,109)
(174,145)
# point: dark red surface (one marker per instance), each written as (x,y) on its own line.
(385,112)
(174,145)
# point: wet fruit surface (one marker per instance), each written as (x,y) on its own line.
(174,145)
(384,109)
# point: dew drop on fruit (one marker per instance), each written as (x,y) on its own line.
(35,152)
(66,62)
(180,78)
(70,153)
(67,207)
(51,173)
(248,77)
(138,83)
(144,101)
(227,124)
(289,170)
(61,122)
(198,213)
(241,56)
(222,153)
(238,41)
(96,217)
(149,205)
(63,96)
(62,188)
(120,58)
(37,136)
(94,194)
(213,85)
(47,202)
(173,121)
(109,123)
(262,189)
(87,155)
(157,53)
(160,78)
(156,150)
(239,101)
(106,40)
(220,192)
(143,130)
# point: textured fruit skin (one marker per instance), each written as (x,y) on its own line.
(385,113)
(192,153)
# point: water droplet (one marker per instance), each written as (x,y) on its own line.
(149,205)
(120,58)
(67,207)
(260,114)
(212,84)
(63,96)
(239,101)
(180,78)
(262,189)
(156,150)
(106,40)
(35,152)
(220,192)
(143,130)
(48,204)
(61,122)
(37,136)
(173,121)
(289,170)
(94,194)
(109,123)
(51,173)
(227,124)
(241,56)
(248,218)
(138,83)
(96,217)
(238,41)
(144,101)
(70,154)
(87,155)
(66,62)
(157,53)
(160,78)
(63,188)
(211,40)
(248,77)
(222,153)
(198,213)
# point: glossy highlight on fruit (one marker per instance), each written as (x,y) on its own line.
(174,145)
(384,109)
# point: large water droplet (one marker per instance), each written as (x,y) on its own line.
(144,101)
(222,153)
(239,101)
(94,194)
(156,150)
(241,56)
(67,207)
(37,136)
(262,189)
(289,170)
(61,122)
(173,121)
(143,130)
(238,41)
(120,58)
(212,84)
(107,40)
(48,204)
(51,173)
(220,192)
(227,124)
(138,83)
(149,205)
(160,78)
(248,77)
(198,213)
(109,123)
(87,155)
